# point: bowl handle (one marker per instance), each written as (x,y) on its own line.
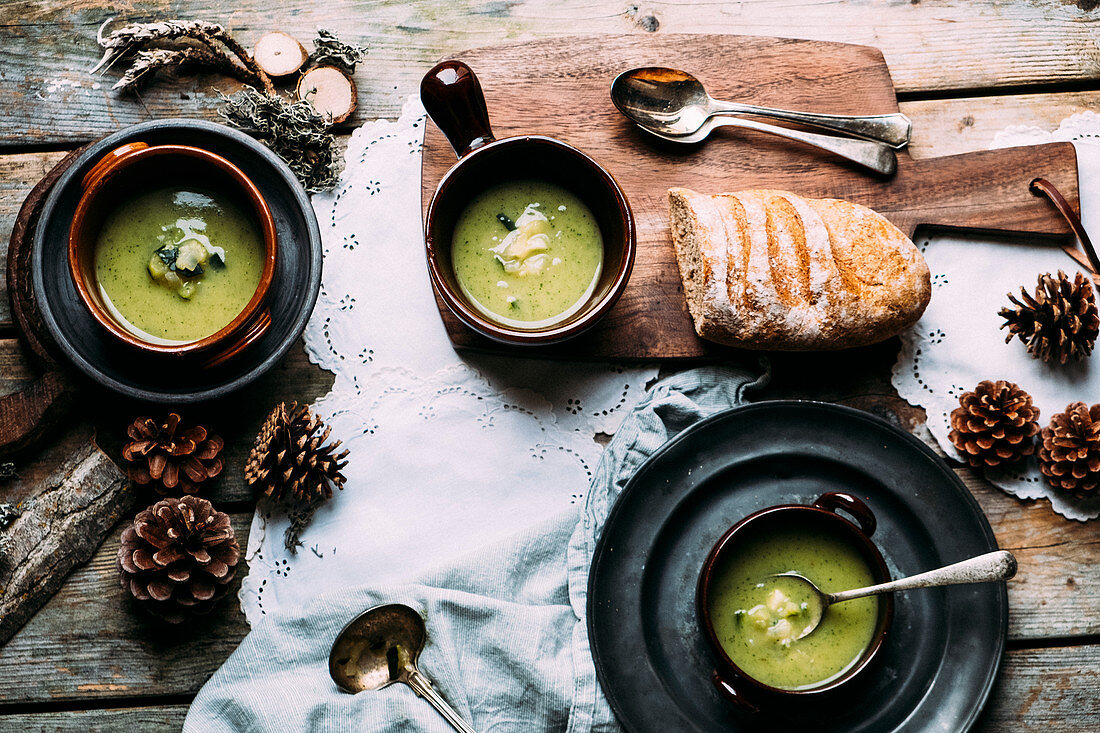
(453,99)
(108,162)
(732,695)
(840,500)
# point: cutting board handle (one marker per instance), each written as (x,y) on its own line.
(986,191)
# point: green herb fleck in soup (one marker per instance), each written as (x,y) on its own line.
(757,619)
(527,253)
(177,264)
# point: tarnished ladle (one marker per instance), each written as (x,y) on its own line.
(381,646)
(999,565)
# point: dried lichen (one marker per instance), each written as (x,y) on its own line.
(330,50)
(293,130)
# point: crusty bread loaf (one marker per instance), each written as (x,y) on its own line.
(768,269)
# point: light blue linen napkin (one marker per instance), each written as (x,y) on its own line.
(508,645)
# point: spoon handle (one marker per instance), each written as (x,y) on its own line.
(999,565)
(423,687)
(876,156)
(892,129)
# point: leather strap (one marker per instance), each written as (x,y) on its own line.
(1087,258)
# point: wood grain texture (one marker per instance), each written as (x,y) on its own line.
(59,526)
(1045,690)
(150,719)
(1042,689)
(981,190)
(90,641)
(937,45)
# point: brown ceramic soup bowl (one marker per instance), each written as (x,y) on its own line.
(134,168)
(453,98)
(740,688)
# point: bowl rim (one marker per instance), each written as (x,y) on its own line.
(246,323)
(553,333)
(775,513)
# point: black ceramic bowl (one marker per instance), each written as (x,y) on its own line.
(293,292)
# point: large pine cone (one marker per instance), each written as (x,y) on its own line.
(178,557)
(995,424)
(1069,455)
(1058,324)
(171,457)
(290,460)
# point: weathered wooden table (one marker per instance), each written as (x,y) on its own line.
(964,70)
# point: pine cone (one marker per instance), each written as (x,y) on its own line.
(995,424)
(1069,455)
(178,557)
(1059,323)
(170,456)
(290,461)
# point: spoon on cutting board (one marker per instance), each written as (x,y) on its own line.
(666,111)
(381,646)
(673,102)
(998,565)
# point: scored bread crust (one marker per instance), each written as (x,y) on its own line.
(767,269)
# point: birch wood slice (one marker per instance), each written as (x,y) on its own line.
(561,88)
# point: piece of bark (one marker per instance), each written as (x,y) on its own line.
(57,529)
(279,54)
(331,91)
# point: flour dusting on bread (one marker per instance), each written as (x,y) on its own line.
(767,269)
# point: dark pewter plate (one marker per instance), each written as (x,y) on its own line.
(945,646)
(293,292)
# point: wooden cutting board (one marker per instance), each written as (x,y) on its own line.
(560,88)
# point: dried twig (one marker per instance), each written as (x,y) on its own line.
(120,42)
(147,63)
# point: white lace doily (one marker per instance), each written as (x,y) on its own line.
(449,452)
(958,341)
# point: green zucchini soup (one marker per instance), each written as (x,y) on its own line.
(527,253)
(757,619)
(176,265)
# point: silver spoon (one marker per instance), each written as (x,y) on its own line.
(667,115)
(381,646)
(673,102)
(999,565)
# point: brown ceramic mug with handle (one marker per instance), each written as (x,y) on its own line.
(135,167)
(741,689)
(453,98)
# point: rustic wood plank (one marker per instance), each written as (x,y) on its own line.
(1045,689)
(90,641)
(1042,689)
(929,46)
(952,126)
(151,719)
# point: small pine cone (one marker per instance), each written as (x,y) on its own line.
(1058,324)
(290,461)
(995,424)
(178,557)
(169,457)
(1069,455)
